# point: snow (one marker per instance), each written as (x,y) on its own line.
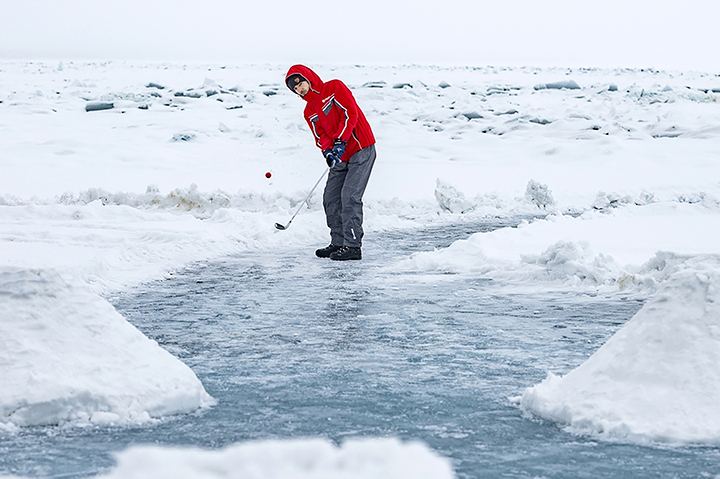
(623,164)
(298,459)
(69,357)
(657,378)
(610,250)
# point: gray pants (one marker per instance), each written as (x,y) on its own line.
(342,198)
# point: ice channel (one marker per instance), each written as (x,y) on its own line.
(293,346)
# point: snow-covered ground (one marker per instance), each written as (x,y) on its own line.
(92,201)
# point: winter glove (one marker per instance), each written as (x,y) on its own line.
(339,148)
(331,158)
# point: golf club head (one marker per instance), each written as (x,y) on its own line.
(279,226)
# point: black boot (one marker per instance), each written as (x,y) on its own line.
(327,251)
(345,253)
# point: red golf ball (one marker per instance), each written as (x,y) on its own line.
(268,174)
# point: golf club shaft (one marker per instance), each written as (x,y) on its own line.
(307,198)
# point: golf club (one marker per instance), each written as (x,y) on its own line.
(281,227)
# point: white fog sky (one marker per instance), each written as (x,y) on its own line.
(568,33)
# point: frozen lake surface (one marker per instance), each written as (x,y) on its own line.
(293,346)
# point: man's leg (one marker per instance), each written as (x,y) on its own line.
(332,202)
(358,173)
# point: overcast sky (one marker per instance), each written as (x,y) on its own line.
(568,33)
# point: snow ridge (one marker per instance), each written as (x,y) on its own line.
(298,459)
(76,360)
(656,379)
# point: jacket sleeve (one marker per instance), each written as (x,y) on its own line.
(348,109)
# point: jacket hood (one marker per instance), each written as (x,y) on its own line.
(316,83)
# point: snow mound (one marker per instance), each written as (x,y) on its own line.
(297,459)
(657,379)
(67,356)
(572,262)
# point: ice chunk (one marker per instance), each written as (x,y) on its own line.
(188,136)
(567,84)
(539,194)
(540,121)
(472,115)
(450,199)
(374,84)
(99,105)
(610,200)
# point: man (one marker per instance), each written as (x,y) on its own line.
(347,142)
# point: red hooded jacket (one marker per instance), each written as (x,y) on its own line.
(332,113)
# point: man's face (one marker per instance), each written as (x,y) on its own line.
(302,88)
